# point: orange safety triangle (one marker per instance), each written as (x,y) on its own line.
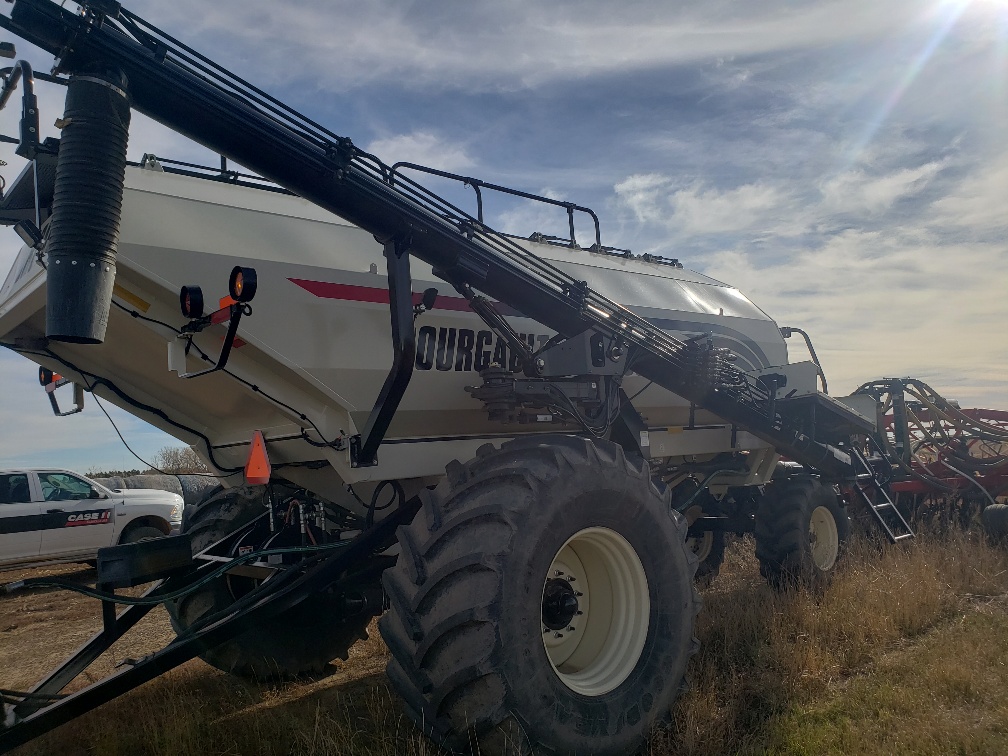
(257,468)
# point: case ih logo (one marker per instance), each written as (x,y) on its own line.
(89,518)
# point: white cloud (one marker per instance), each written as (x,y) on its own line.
(424,148)
(699,210)
(978,201)
(878,304)
(645,195)
(520,43)
(858,192)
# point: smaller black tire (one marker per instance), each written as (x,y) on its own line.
(995,521)
(137,533)
(801,530)
(709,546)
(301,641)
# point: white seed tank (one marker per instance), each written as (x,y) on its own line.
(315,351)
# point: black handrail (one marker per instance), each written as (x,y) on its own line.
(477,184)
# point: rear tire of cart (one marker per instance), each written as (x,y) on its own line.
(707,546)
(543,601)
(137,533)
(801,530)
(301,641)
(995,521)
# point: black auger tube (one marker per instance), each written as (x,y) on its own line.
(87,205)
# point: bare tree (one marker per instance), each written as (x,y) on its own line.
(95,472)
(179,460)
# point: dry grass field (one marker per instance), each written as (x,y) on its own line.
(905,653)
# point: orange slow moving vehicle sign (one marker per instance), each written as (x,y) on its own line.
(257,468)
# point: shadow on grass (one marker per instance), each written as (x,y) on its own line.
(196,710)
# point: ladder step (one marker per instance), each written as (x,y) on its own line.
(868,481)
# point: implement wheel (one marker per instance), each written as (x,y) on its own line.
(543,600)
(301,641)
(995,522)
(801,529)
(709,545)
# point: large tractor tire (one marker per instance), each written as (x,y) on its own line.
(801,529)
(301,641)
(543,601)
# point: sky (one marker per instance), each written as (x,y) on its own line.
(844,163)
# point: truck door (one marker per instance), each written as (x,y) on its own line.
(20,519)
(77,518)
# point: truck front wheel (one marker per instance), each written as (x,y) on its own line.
(543,600)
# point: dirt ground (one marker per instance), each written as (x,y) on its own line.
(40,627)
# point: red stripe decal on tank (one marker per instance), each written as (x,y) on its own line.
(380,295)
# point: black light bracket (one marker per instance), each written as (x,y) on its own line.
(179,348)
(364,446)
(30,234)
(241,290)
(426,303)
(21,71)
(51,382)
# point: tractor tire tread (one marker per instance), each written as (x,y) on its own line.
(447,666)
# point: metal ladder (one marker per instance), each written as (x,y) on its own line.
(875,497)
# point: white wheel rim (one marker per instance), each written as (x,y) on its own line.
(614,607)
(700,545)
(824,538)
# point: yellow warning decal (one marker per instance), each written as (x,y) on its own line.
(128,296)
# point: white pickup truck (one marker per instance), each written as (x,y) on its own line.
(60,516)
